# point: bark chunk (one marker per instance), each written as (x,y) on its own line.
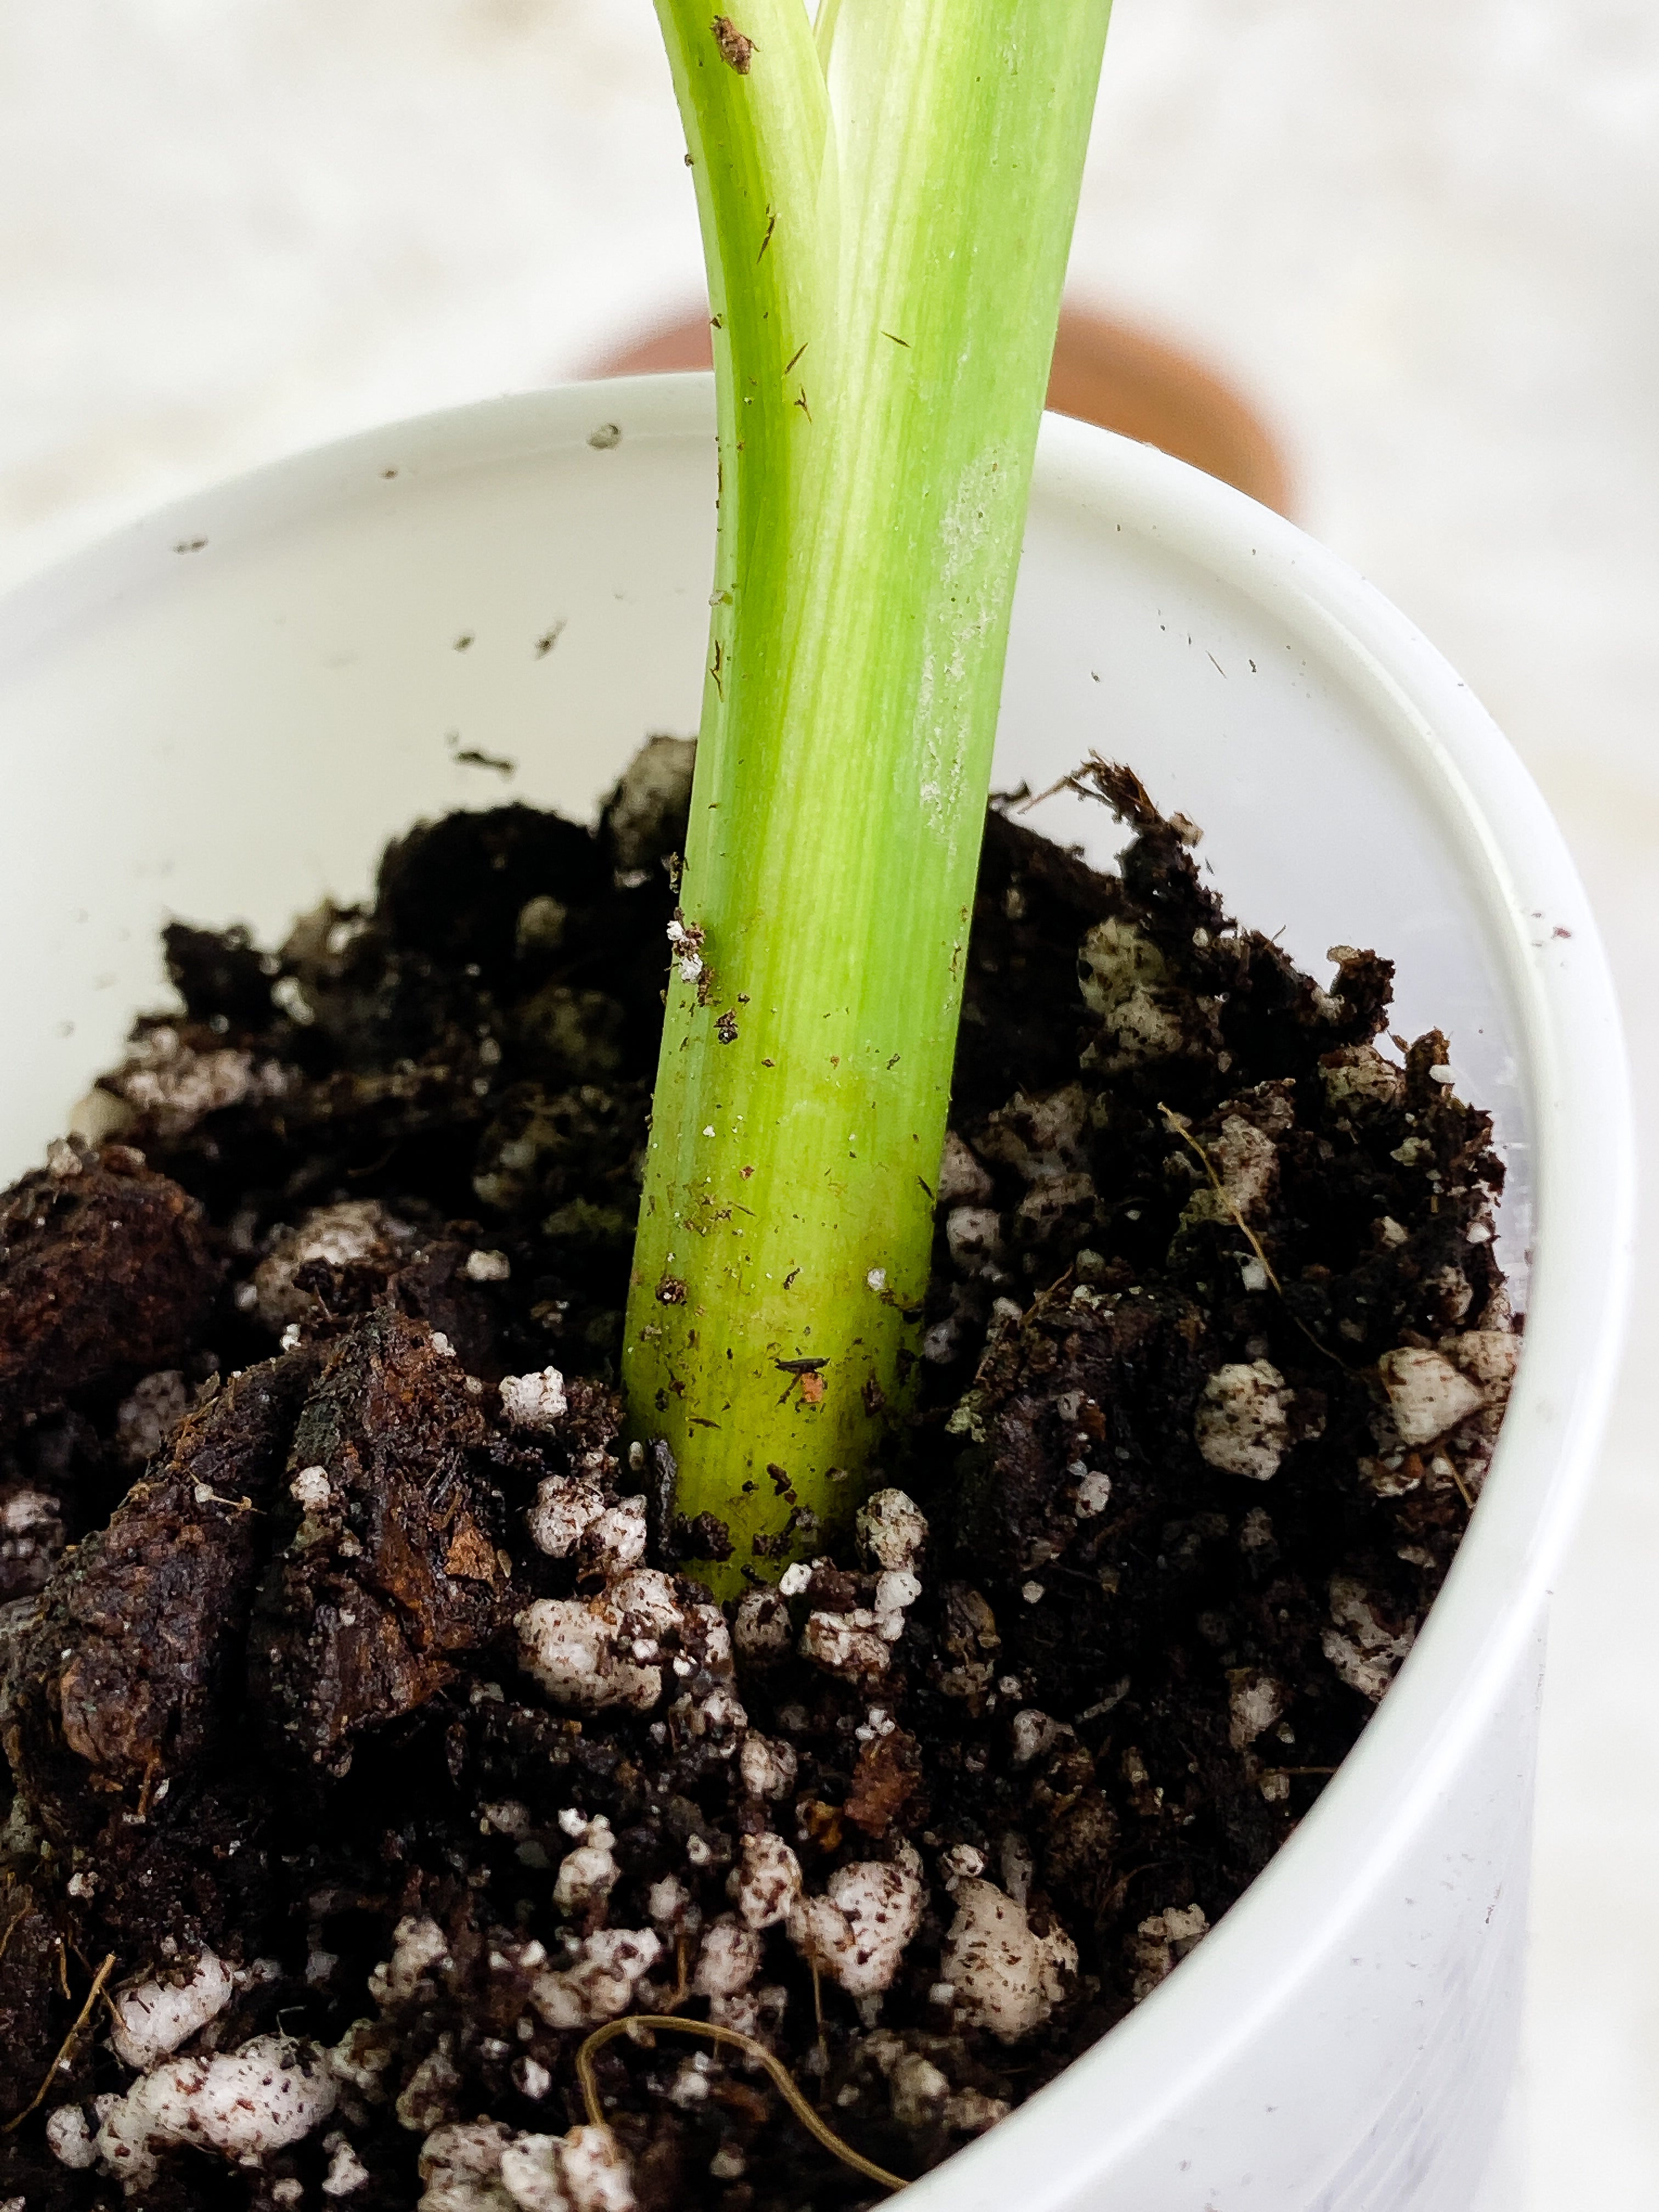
(388,1567)
(106,1271)
(121,1682)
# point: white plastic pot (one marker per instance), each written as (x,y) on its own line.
(224,712)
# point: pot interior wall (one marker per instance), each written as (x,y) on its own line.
(225,712)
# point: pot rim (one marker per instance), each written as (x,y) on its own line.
(1249,1968)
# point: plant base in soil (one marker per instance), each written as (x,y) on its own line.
(364,1737)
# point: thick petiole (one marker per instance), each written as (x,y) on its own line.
(886,245)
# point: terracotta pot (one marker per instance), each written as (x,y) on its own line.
(1104,372)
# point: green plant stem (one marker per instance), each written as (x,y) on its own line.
(886,264)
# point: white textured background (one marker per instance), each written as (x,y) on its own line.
(1423,237)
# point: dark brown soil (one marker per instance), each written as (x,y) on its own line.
(1217,1350)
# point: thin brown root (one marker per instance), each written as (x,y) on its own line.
(782,2079)
(12,1925)
(66,2048)
(1066,783)
(1463,1490)
(150,1772)
(1176,1125)
(817,2016)
(1119,1888)
(681,1989)
(1117,788)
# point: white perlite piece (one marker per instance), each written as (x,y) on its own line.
(590,2167)
(685,943)
(729,1960)
(1017,1863)
(346,2171)
(846,1644)
(1426,1394)
(857,1933)
(915,2085)
(600,1980)
(943,1341)
(1488,1356)
(1161,1942)
(311,1489)
(146,1417)
(1242,1424)
(1041,1139)
(488,1268)
(175,1086)
(761,1630)
(479,2165)
(534,1402)
(668,1901)
(1006,1978)
(1364,1653)
(152,2017)
(417,1944)
(357,1232)
(531,2078)
(609,1650)
(1094,1494)
(460,2164)
(570,1515)
(359,2059)
(70,2137)
(579,1657)
(895,1592)
(1255,1702)
(508,1816)
(1047,1206)
(243,2103)
(1247,1167)
(432,2091)
(615,1540)
(893,1530)
(962,1180)
(1356,1076)
(768,1882)
(1036,1735)
(31,1527)
(961,1862)
(565,1506)
(586,1875)
(973,1235)
(766,1767)
(595,2173)
(1119,972)
(854,1645)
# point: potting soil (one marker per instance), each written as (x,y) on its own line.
(371,1746)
